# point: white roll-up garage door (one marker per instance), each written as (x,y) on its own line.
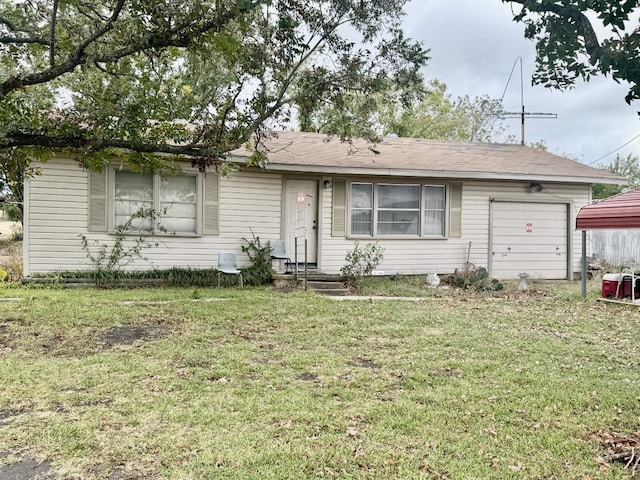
(529,238)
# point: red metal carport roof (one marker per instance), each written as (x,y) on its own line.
(619,211)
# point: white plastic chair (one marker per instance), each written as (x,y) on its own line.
(227,264)
(279,252)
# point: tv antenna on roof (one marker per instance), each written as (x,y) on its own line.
(522,113)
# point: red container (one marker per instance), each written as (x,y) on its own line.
(619,285)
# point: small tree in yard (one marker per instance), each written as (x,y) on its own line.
(361,261)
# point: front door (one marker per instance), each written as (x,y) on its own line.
(301,218)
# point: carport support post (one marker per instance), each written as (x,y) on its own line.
(584,264)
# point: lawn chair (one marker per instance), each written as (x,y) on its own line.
(279,252)
(227,264)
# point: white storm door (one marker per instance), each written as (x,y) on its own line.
(301,218)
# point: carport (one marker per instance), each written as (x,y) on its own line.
(619,211)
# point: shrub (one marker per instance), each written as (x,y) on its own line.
(260,272)
(477,279)
(175,277)
(361,261)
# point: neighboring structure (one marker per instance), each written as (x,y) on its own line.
(614,222)
(434,206)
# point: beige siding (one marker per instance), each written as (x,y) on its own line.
(252,201)
(418,256)
(58,202)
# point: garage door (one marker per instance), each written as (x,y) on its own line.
(531,238)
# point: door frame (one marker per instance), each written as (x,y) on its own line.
(569,204)
(285,228)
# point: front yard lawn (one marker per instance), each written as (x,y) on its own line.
(256,384)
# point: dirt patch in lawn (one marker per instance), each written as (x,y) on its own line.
(364,363)
(129,334)
(20,467)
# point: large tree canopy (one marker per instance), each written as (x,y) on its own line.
(625,167)
(187,77)
(432,113)
(568,44)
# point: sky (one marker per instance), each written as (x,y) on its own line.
(474,46)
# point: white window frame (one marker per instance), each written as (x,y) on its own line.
(423,201)
(157,180)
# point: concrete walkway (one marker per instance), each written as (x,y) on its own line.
(373,297)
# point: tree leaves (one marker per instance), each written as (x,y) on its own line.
(625,167)
(120,73)
(427,111)
(568,47)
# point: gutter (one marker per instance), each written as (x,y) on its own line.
(449,174)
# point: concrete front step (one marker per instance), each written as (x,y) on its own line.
(322,285)
(316,282)
(325,284)
(334,292)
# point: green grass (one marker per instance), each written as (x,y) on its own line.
(266,385)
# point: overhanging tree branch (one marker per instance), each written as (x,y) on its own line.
(230,69)
(81,142)
(24,40)
(565,33)
(153,40)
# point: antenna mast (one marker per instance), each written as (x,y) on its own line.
(522,113)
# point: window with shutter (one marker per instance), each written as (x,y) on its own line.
(186,204)
(403,209)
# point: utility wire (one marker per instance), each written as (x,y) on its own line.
(614,151)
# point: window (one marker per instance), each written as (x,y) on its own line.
(174,198)
(434,203)
(178,202)
(384,209)
(361,208)
(398,209)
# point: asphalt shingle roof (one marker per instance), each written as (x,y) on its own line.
(419,157)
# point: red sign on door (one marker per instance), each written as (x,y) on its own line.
(301,198)
(529,227)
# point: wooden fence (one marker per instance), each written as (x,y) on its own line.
(618,248)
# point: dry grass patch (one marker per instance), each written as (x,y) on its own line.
(272,386)
(10,260)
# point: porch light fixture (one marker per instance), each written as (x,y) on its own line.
(536,187)
(327,184)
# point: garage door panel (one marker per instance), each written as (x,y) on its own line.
(515,210)
(504,235)
(531,238)
(546,241)
(551,250)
